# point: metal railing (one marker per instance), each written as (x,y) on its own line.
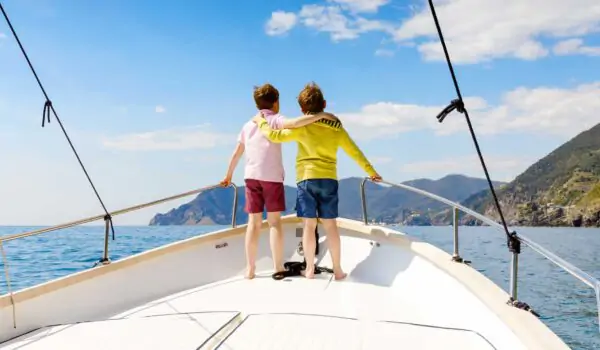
(558,261)
(107,220)
(123,211)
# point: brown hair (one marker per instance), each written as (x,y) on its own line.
(311,99)
(265,96)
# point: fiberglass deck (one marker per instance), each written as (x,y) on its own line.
(408,304)
(292,314)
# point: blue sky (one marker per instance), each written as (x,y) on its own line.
(153,95)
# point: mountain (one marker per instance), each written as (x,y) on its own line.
(561,189)
(384,203)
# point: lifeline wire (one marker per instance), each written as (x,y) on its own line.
(513,242)
(49,107)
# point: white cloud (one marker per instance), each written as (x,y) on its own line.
(575,46)
(555,111)
(160,109)
(388,118)
(384,53)
(361,5)
(332,20)
(197,137)
(2,35)
(501,168)
(280,23)
(510,28)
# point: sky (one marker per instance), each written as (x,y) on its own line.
(153,94)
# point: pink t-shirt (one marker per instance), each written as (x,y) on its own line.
(263,157)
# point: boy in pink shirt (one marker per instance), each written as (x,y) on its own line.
(264,175)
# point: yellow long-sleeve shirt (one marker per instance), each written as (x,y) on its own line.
(317,148)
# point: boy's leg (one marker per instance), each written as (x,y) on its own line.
(306,208)
(274,194)
(328,212)
(309,244)
(254,207)
(252,234)
(276,240)
(335,247)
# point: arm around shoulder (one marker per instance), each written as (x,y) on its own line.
(278,136)
(301,121)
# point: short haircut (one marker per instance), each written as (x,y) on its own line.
(265,96)
(311,99)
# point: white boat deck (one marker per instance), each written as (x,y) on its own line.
(393,298)
(386,302)
(295,313)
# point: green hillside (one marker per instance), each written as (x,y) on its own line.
(561,189)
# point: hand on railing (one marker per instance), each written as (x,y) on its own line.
(376,178)
(226,182)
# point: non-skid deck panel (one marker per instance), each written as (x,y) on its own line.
(173,332)
(294,331)
(384,284)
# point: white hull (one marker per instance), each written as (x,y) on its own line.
(400,293)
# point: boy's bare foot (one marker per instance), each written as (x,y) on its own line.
(279,268)
(340,275)
(250,273)
(310,274)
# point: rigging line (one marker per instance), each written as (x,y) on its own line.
(460,107)
(46,114)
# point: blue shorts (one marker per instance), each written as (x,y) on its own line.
(317,198)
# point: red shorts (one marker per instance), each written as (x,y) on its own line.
(261,194)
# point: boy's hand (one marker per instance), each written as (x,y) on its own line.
(258,118)
(225,182)
(376,178)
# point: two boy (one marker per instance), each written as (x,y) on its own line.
(316,173)
(264,175)
(319,135)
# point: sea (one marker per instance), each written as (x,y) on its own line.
(564,303)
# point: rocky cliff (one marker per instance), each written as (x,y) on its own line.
(561,189)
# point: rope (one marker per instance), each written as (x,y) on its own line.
(295,268)
(514,244)
(49,107)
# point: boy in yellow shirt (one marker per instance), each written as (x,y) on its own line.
(316,173)
(264,175)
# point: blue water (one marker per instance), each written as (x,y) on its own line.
(566,305)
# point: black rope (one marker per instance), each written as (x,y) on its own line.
(49,107)
(46,112)
(523,306)
(513,242)
(295,268)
